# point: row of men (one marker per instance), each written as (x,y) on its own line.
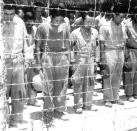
(55,47)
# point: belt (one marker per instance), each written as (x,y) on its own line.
(85,54)
(12,56)
(57,49)
(57,53)
(114,48)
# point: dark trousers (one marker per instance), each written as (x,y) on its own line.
(15,88)
(130,74)
(31,92)
(56,71)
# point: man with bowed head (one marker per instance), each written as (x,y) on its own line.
(52,49)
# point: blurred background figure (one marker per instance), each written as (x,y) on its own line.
(20,13)
(39,10)
(130,66)
(31,71)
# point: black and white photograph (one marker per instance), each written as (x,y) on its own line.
(68,65)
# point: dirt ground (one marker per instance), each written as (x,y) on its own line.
(117,118)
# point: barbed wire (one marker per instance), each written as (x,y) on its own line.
(51,66)
(69,10)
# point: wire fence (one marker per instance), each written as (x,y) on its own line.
(64,81)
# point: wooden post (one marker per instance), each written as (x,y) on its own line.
(3,103)
(48,6)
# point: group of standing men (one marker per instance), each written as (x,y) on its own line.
(55,46)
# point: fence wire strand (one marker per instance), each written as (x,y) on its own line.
(99,90)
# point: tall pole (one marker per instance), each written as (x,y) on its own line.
(3,103)
(48,6)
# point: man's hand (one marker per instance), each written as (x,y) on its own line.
(102,63)
(37,68)
(26,65)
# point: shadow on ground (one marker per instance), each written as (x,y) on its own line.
(36,115)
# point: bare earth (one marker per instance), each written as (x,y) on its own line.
(118,118)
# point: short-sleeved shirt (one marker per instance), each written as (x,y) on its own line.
(100,21)
(132,32)
(14,36)
(82,45)
(52,40)
(113,35)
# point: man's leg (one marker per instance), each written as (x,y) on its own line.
(89,83)
(128,84)
(48,77)
(135,86)
(77,94)
(9,69)
(107,90)
(61,85)
(135,77)
(78,79)
(107,82)
(117,74)
(18,93)
(32,93)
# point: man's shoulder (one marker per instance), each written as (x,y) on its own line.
(78,21)
(44,20)
(94,30)
(43,26)
(106,26)
(76,31)
(18,20)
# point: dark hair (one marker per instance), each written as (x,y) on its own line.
(84,14)
(71,15)
(9,5)
(39,4)
(108,15)
(29,15)
(17,11)
(57,12)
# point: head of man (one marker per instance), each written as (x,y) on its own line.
(20,13)
(71,18)
(57,16)
(88,19)
(118,18)
(29,19)
(9,12)
(118,14)
(38,9)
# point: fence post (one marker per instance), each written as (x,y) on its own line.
(3,102)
